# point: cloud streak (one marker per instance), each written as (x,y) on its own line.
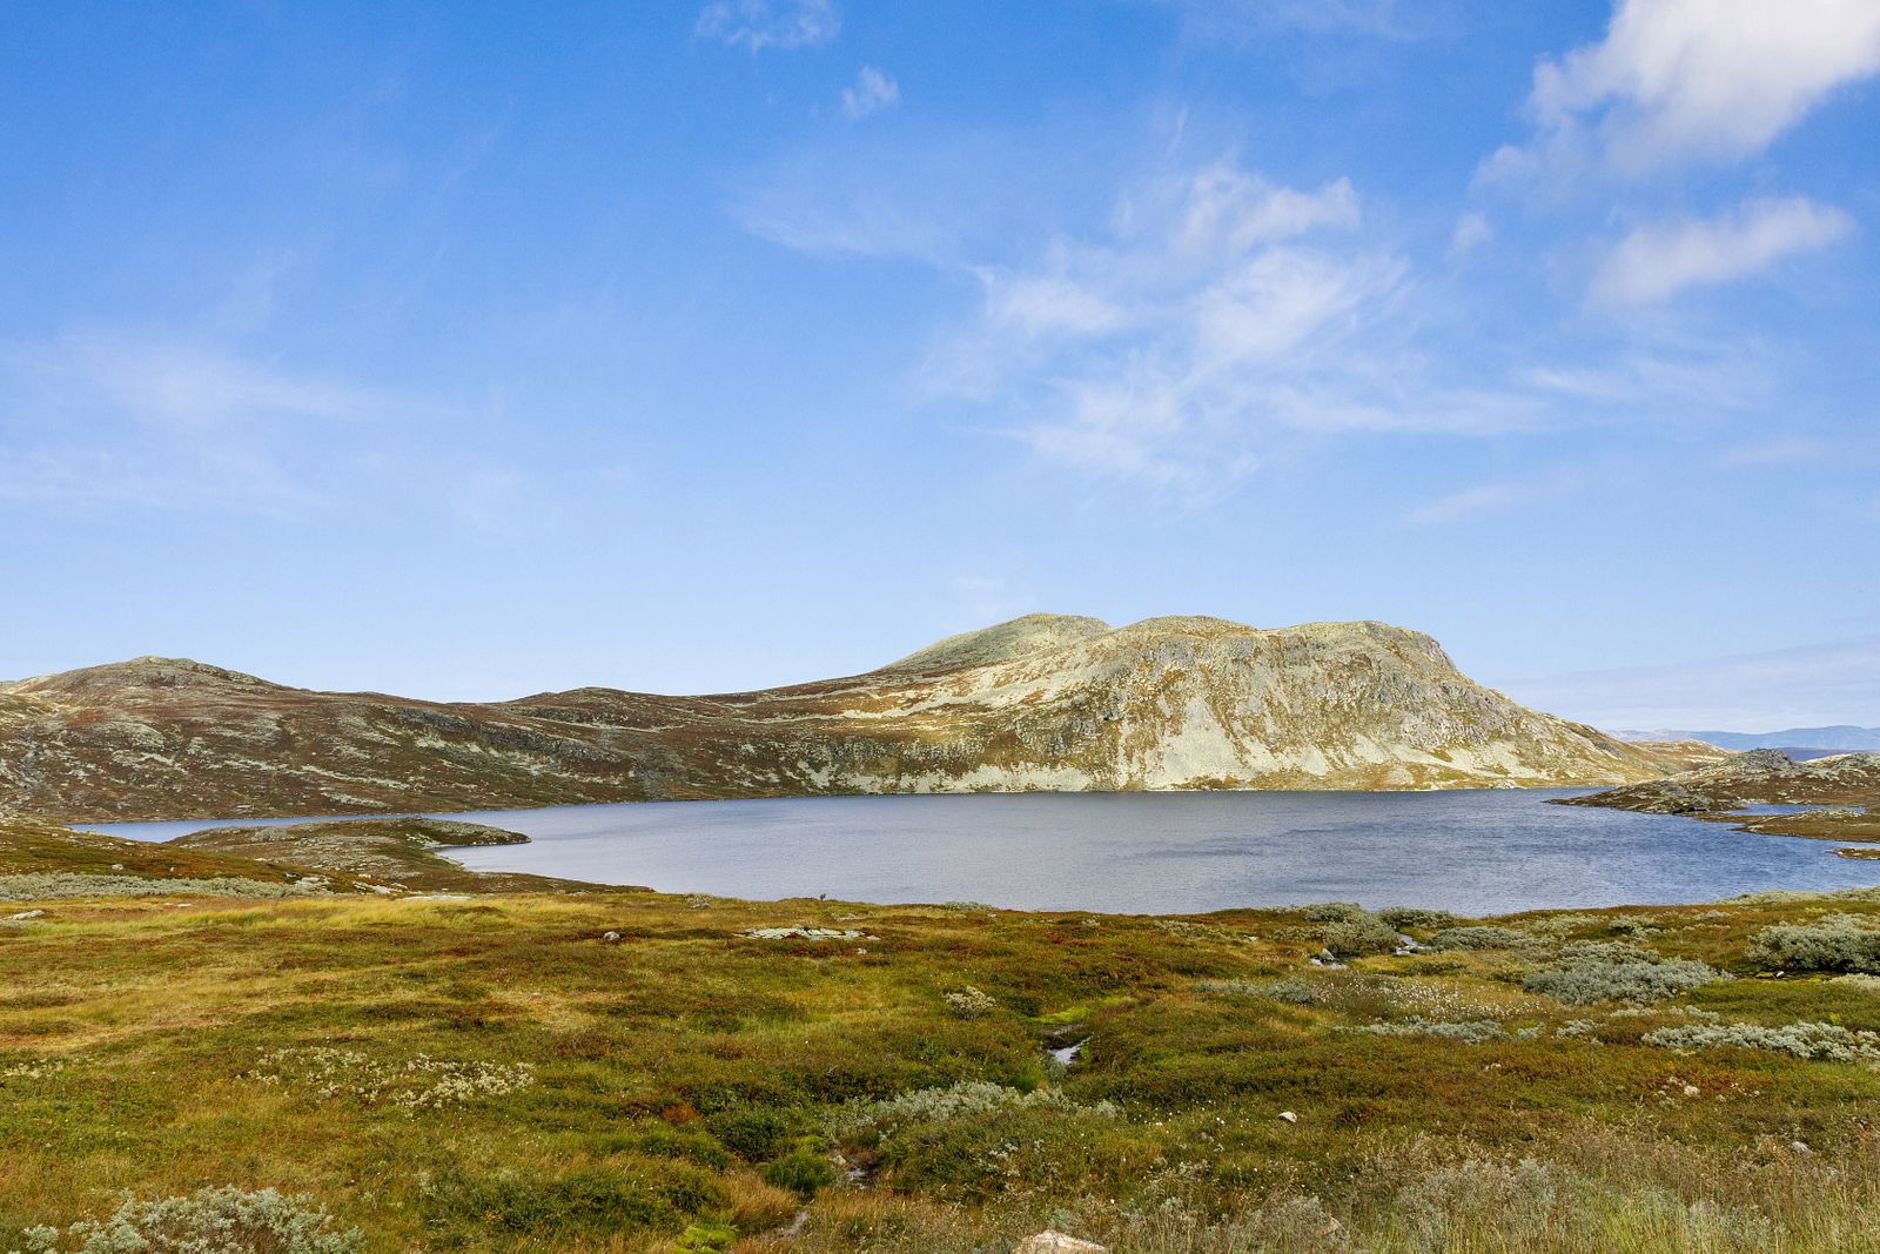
(755,25)
(1837,682)
(1654,262)
(119,419)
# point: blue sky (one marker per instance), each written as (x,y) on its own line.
(470,350)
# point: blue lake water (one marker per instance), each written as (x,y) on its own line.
(1474,852)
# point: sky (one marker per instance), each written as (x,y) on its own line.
(468,350)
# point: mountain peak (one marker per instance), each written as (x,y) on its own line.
(1001,642)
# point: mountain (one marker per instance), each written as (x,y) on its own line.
(1044,702)
(1841,738)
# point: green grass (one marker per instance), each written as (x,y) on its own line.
(490,1075)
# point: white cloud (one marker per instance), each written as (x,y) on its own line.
(1212,308)
(1214,320)
(873,92)
(1654,262)
(760,24)
(1692,79)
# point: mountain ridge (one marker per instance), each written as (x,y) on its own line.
(1837,738)
(1044,702)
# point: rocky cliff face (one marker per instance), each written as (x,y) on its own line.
(1040,703)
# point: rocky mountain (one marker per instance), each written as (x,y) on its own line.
(1043,702)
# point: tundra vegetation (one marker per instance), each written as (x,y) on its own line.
(351,1067)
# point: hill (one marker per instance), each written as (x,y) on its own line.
(1040,703)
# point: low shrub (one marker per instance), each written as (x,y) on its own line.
(753,1133)
(1401,917)
(1474,1032)
(969,1003)
(1365,934)
(671,1143)
(1824,1041)
(1839,942)
(219,1220)
(1292,992)
(1479,936)
(1595,971)
(591,1201)
(801,1172)
(1332,911)
(967,1099)
(418,1083)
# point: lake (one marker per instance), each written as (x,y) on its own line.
(1474,852)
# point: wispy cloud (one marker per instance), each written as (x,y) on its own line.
(183,385)
(1238,20)
(1657,261)
(145,421)
(1481,499)
(1677,80)
(1472,230)
(1773,452)
(873,92)
(1213,305)
(1838,682)
(759,24)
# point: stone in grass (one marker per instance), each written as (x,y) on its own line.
(805,933)
(1049,1242)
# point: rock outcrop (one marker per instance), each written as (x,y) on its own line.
(1842,794)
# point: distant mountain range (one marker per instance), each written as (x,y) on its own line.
(1041,703)
(1841,738)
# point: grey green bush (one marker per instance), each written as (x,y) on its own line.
(51,885)
(1824,1041)
(1595,971)
(1364,934)
(1414,916)
(1480,936)
(1838,942)
(964,1100)
(1473,1032)
(1293,992)
(218,1220)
